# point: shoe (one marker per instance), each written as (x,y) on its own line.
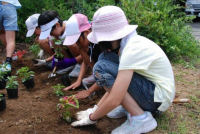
(75,71)
(137,126)
(118,112)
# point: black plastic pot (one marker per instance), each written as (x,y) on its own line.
(12,93)
(2,103)
(66,80)
(29,83)
(2,84)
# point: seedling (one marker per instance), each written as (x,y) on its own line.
(65,104)
(12,87)
(59,53)
(1,96)
(58,90)
(2,79)
(57,42)
(12,83)
(35,49)
(2,102)
(25,74)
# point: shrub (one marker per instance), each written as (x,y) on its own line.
(159,21)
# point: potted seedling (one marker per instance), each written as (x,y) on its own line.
(12,87)
(2,79)
(66,103)
(57,42)
(27,77)
(2,102)
(58,90)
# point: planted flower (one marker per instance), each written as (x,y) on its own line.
(2,102)
(27,77)
(66,103)
(58,90)
(12,87)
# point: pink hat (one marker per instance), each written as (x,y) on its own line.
(76,24)
(109,24)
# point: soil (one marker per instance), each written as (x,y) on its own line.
(34,111)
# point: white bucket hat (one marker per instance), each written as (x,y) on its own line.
(31,24)
(109,24)
(46,29)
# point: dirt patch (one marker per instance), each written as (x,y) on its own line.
(34,112)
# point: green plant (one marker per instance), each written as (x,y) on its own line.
(2,75)
(57,42)
(25,74)
(35,49)
(1,96)
(58,90)
(59,53)
(12,83)
(159,21)
(65,104)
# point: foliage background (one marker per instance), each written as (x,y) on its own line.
(159,20)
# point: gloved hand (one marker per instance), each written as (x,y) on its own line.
(66,62)
(83,122)
(85,114)
(40,62)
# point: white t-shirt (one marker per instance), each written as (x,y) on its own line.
(148,59)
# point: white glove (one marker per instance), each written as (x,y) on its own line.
(85,114)
(83,122)
(40,62)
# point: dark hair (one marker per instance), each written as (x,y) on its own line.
(48,16)
(105,45)
(94,51)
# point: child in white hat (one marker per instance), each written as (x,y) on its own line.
(140,78)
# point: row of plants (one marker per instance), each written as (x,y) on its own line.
(11,84)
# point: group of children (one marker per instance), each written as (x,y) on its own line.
(134,71)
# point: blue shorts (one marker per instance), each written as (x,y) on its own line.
(142,90)
(8,17)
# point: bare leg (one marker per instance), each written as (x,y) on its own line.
(10,39)
(130,104)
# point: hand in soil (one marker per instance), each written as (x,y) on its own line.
(82,94)
(73,86)
(83,122)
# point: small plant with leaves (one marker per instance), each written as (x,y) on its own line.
(35,49)
(2,79)
(58,42)
(65,104)
(12,87)
(2,102)
(25,74)
(58,90)
(59,53)
(12,82)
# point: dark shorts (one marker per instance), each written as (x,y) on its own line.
(141,89)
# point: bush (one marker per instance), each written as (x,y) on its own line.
(160,22)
